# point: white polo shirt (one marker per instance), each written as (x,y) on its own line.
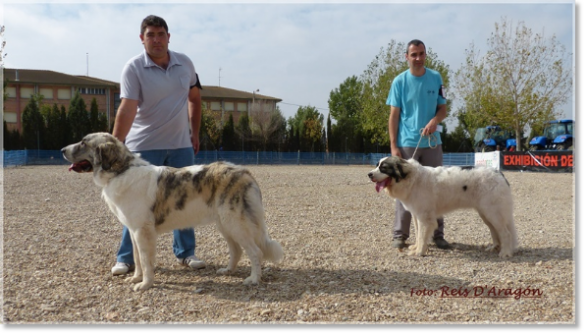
(162,121)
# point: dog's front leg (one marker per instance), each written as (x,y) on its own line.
(145,242)
(416,226)
(137,278)
(426,225)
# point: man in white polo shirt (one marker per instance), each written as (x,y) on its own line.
(159,117)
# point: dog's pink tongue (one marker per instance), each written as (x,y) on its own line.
(79,167)
(381,184)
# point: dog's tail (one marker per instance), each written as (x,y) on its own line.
(272,251)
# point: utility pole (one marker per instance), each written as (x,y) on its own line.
(87,64)
(219,76)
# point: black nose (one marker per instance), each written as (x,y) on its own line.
(370,174)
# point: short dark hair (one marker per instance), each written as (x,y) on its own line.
(415,43)
(154,21)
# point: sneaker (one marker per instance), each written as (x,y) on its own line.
(398,243)
(441,243)
(193,262)
(122,268)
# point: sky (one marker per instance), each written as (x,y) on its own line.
(297,51)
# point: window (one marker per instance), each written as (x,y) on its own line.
(228,106)
(26,92)
(64,94)
(11,92)
(215,106)
(10,117)
(242,107)
(47,93)
(94,91)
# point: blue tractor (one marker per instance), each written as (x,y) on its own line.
(557,135)
(493,138)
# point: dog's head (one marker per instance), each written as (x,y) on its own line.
(97,152)
(389,170)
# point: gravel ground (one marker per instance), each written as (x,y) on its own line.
(60,242)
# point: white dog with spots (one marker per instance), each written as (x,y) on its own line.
(428,193)
(151,200)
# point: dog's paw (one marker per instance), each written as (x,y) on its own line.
(251,281)
(504,254)
(414,252)
(142,286)
(133,279)
(493,247)
(223,271)
(412,247)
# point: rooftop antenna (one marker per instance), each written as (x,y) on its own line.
(219,76)
(87,64)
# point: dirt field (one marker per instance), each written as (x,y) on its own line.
(60,242)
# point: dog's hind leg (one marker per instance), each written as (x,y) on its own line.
(255,255)
(145,241)
(496,242)
(501,225)
(235,253)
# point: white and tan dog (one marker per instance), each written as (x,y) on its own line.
(151,200)
(428,193)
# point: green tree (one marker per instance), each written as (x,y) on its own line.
(307,126)
(33,124)
(243,130)
(12,139)
(520,81)
(211,129)
(229,135)
(78,117)
(52,120)
(330,146)
(94,117)
(345,108)
(266,124)
(64,128)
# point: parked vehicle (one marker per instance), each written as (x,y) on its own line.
(557,135)
(492,137)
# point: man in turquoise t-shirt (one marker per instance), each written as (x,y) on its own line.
(418,104)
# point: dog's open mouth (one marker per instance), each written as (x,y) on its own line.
(83,166)
(382,184)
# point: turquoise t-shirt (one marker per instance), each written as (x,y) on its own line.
(418,98)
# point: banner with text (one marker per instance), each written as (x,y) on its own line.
(490,159)
(538,161)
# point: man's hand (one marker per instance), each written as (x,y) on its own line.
(396,152)
(430,128)
(195,143)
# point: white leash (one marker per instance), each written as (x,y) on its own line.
(429,138)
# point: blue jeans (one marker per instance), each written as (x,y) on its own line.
(184,239)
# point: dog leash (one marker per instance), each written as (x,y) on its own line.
(429,138)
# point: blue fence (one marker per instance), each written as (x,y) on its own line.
(54,157)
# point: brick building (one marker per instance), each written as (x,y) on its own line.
(58,88)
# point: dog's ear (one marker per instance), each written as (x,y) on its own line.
(395,167)
(106,155)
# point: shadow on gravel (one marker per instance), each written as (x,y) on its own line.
(282,284)
(522,255)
